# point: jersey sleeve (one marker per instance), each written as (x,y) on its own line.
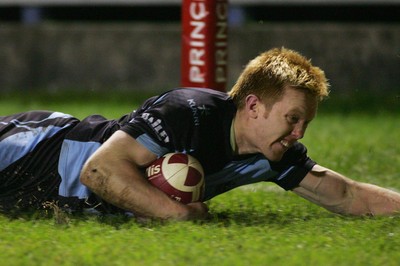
(147,135)
(293,167)
(162,123)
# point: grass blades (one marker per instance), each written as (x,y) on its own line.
(258,224)
(249,227)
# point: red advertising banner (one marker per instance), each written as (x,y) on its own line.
(204,44)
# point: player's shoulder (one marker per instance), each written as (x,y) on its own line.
(180,98)
(197,93)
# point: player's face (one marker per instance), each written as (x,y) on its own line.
(282,125)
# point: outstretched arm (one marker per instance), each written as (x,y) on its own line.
(342,195)
(112,173)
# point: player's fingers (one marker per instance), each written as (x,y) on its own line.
(199,205)
(199,210)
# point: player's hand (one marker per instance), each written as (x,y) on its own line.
(197,211)
(193,211)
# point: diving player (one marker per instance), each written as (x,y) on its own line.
(246,136)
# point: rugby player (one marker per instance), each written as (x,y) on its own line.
(249,135)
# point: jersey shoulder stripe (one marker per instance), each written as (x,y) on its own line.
(18,137)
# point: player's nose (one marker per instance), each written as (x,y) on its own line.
(298,132)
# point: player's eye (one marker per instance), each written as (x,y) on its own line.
(292,119)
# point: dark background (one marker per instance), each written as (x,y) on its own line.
(170,13)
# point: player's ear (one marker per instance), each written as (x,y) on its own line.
(252,105)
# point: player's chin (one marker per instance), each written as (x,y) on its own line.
(275,158)
(275,155)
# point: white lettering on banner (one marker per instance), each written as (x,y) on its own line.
(221,43)
(195,57)
(195,74)
(197,44)
(198,26)
(222,16)
(198,12)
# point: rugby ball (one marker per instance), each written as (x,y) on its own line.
(179,175)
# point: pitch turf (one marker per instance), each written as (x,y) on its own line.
(254,225)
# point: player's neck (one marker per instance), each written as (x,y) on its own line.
(233,138)
(240,130)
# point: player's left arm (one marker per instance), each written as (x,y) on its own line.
(342,195)
(114,173)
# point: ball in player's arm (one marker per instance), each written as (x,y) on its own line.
(113,173)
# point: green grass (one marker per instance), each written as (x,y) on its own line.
(255,225)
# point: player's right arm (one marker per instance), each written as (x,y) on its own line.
(113,173)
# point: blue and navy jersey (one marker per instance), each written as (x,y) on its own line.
(198,122)
(42,153)
(30,146)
